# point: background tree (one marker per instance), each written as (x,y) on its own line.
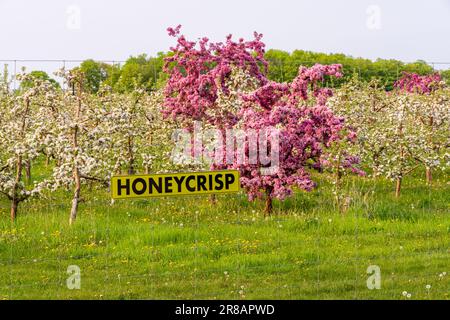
(283,66)
(446,76)
(138,72)
(27,82)
(95,73)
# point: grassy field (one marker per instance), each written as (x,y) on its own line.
(189,248)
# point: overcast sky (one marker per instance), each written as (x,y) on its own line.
(113,30)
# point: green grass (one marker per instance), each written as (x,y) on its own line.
(188,248)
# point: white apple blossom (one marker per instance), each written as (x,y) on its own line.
(21,138)
(397,131)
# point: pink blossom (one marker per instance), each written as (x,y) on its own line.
(414,83)
(197,70)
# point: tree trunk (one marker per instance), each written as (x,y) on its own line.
(19,166)
(429,176)
(337,182)
(269,205)
(14,205)
(130,156)
(15,200)
(398,187)
(76,197)
(28,170)
(76,171)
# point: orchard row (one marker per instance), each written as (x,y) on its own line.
(359,128)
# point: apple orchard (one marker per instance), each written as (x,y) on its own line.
(358,128)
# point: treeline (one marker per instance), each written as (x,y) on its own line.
(283,66)
(147,72)
(137,72)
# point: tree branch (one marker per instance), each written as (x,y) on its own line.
(103,181)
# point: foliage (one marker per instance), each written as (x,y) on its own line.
(195,74)
(283,66)
(305,132)
(41,75)
(95,73)
(138,72)
(414,83)
(142,71)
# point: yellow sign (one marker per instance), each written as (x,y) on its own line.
(174,184)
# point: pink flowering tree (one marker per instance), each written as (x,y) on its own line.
(200,82)
(307,130)
(415,83)
(199,74)
(197,71)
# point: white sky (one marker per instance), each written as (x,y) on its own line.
(114,30)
